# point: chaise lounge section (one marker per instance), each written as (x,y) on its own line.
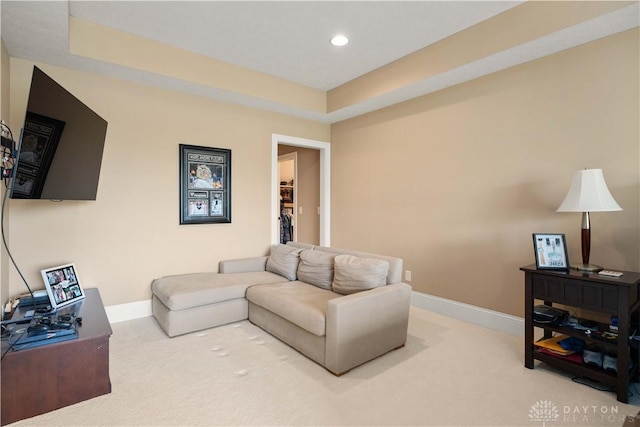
(339,308)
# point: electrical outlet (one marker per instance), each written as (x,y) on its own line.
(407,275)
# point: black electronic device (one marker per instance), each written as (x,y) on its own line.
(37,301)
(38,329)
(44,309)
(589,324)
(60,150)
(50,324)
(549,315)
(65,318)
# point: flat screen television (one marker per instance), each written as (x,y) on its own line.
(61,146)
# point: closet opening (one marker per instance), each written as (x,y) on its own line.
(309,202)
(287,175)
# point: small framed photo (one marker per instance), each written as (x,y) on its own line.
(63,285)
(551,251)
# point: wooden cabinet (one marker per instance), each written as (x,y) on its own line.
(42,379)
(611,296)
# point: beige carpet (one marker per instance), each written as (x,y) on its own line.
(450,373)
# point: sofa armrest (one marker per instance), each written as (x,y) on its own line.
(243,265)
(365,325)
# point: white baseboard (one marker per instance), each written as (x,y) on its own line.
(129,311)
(458,310)
(469,313)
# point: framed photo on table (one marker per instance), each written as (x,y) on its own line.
(551,251)
(205,185)
(63,285)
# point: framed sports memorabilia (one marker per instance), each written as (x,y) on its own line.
(550,251)
(205,185)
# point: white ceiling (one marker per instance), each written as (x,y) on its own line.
(288,39)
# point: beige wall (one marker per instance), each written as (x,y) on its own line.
(4,113)
(131,234)
(455,182)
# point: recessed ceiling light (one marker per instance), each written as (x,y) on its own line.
(339,40)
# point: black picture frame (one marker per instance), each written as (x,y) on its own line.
(205,185)
(39,142)
(287,194)
(551,251)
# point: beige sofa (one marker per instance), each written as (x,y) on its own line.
(339,308)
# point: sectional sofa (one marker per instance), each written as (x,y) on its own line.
(339,308)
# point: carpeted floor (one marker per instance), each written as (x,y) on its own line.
(450,373)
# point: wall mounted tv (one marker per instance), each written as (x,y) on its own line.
(60,152)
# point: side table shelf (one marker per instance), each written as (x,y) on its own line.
(582,370)
(612,296)
(607,344)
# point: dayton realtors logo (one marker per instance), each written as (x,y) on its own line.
(544,411)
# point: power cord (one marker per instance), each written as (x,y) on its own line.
(631,392)
(6,246)
(8,156)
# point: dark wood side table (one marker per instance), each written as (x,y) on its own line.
(40,379)
(612,296)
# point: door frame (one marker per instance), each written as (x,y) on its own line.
(325,184)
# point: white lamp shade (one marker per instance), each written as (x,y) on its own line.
(588,193)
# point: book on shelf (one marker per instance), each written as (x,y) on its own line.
(552,345)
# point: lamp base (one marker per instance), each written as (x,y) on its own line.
(591,268)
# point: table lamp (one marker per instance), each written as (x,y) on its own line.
(588,193)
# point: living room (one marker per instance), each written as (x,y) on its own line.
(454,182)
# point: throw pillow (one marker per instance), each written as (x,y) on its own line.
(316,268)
(284,261)
(353,274)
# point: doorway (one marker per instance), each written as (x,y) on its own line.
(288,182)
(324,209)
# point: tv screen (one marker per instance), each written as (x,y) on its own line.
(60,152)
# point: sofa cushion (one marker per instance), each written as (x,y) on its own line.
(193,290)
(395,264)
(300,303)
(283,260)
(354,274)
(316,268)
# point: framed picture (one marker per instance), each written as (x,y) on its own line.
(63,285)
(40,138)
(551,251)
(287,194)
(205,185)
